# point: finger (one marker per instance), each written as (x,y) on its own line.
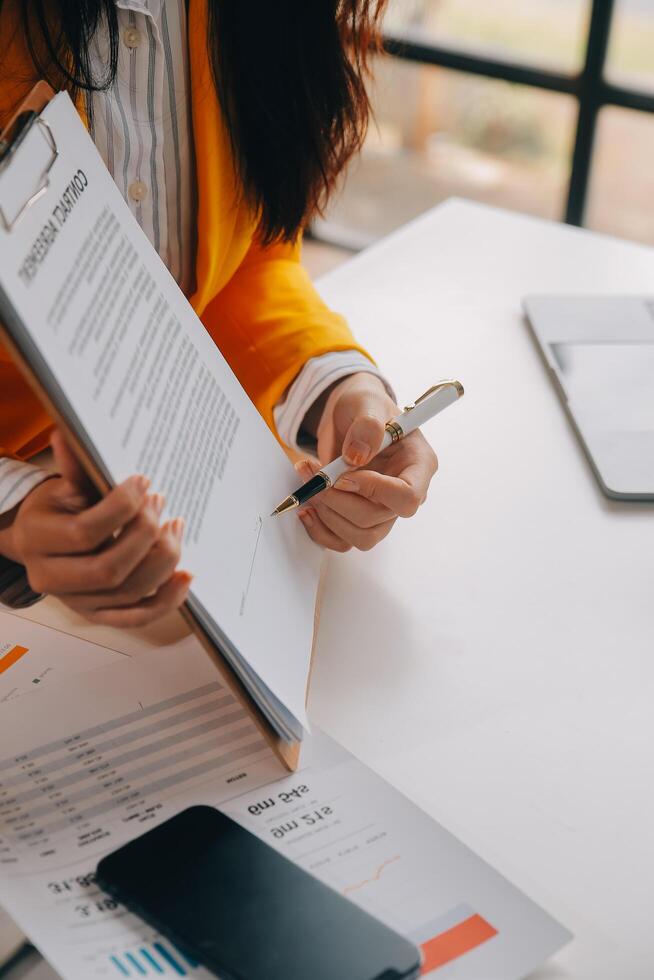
(159,564)
(360,412)
(170,596)
(403,495)
(82,532)
(68,466)
(319,533)
(356,509)
(306,468)
(363,438)
(107,569)
(121,505)
(154,570)
(361,538)
(353,507)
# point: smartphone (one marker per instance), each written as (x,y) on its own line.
(229,901)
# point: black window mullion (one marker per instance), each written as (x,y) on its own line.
(593,93)
(627,98)
(475,64)
(589,87)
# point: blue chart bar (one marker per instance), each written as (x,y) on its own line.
(153,960)
(135,963)
(168,956)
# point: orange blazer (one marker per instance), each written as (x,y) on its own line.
(257,303)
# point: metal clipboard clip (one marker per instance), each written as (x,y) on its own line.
(9,144)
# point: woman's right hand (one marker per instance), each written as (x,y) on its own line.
(107,559)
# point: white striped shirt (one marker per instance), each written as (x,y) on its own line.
(142,128)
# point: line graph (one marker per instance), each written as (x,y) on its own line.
(374,877)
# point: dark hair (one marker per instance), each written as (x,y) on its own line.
(290,76)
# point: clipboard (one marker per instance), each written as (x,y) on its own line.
(12,136)
(27,116)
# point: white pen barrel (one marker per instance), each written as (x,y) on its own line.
(411,418)
(427,409)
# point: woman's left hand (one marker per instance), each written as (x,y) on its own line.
(362,507)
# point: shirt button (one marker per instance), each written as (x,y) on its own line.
(137,191)
(132,37)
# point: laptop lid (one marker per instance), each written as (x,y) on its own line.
(600,353)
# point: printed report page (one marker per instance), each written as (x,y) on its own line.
(154,395)
(103,756)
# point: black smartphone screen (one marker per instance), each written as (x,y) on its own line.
(244,911)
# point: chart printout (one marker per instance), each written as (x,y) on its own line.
(32,655)
(111,752)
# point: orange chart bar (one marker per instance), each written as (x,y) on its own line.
(455,942)
(11,657)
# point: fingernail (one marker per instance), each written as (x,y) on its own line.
(357,453)
(305,470)
(178,527)
(345,483)
(157,501)
(306,516)
(141,483)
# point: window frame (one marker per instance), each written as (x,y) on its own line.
(589,87)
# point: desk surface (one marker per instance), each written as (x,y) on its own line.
(493,657)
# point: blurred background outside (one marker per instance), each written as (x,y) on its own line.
(441,132)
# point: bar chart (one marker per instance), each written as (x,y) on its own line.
(451,936)
(32,655)
(158,958)
(11,657)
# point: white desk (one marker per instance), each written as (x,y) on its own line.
(493,658)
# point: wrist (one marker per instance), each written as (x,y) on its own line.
(14,524)
(8,538)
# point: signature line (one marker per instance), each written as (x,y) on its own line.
(251,572)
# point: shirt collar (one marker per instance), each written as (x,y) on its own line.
(150,8)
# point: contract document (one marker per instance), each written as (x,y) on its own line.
(117,353)
(97,758)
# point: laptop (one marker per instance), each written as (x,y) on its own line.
(599,351)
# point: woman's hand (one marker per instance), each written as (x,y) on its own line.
(362,507)
(108,560)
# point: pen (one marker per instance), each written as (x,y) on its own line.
(426,407)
